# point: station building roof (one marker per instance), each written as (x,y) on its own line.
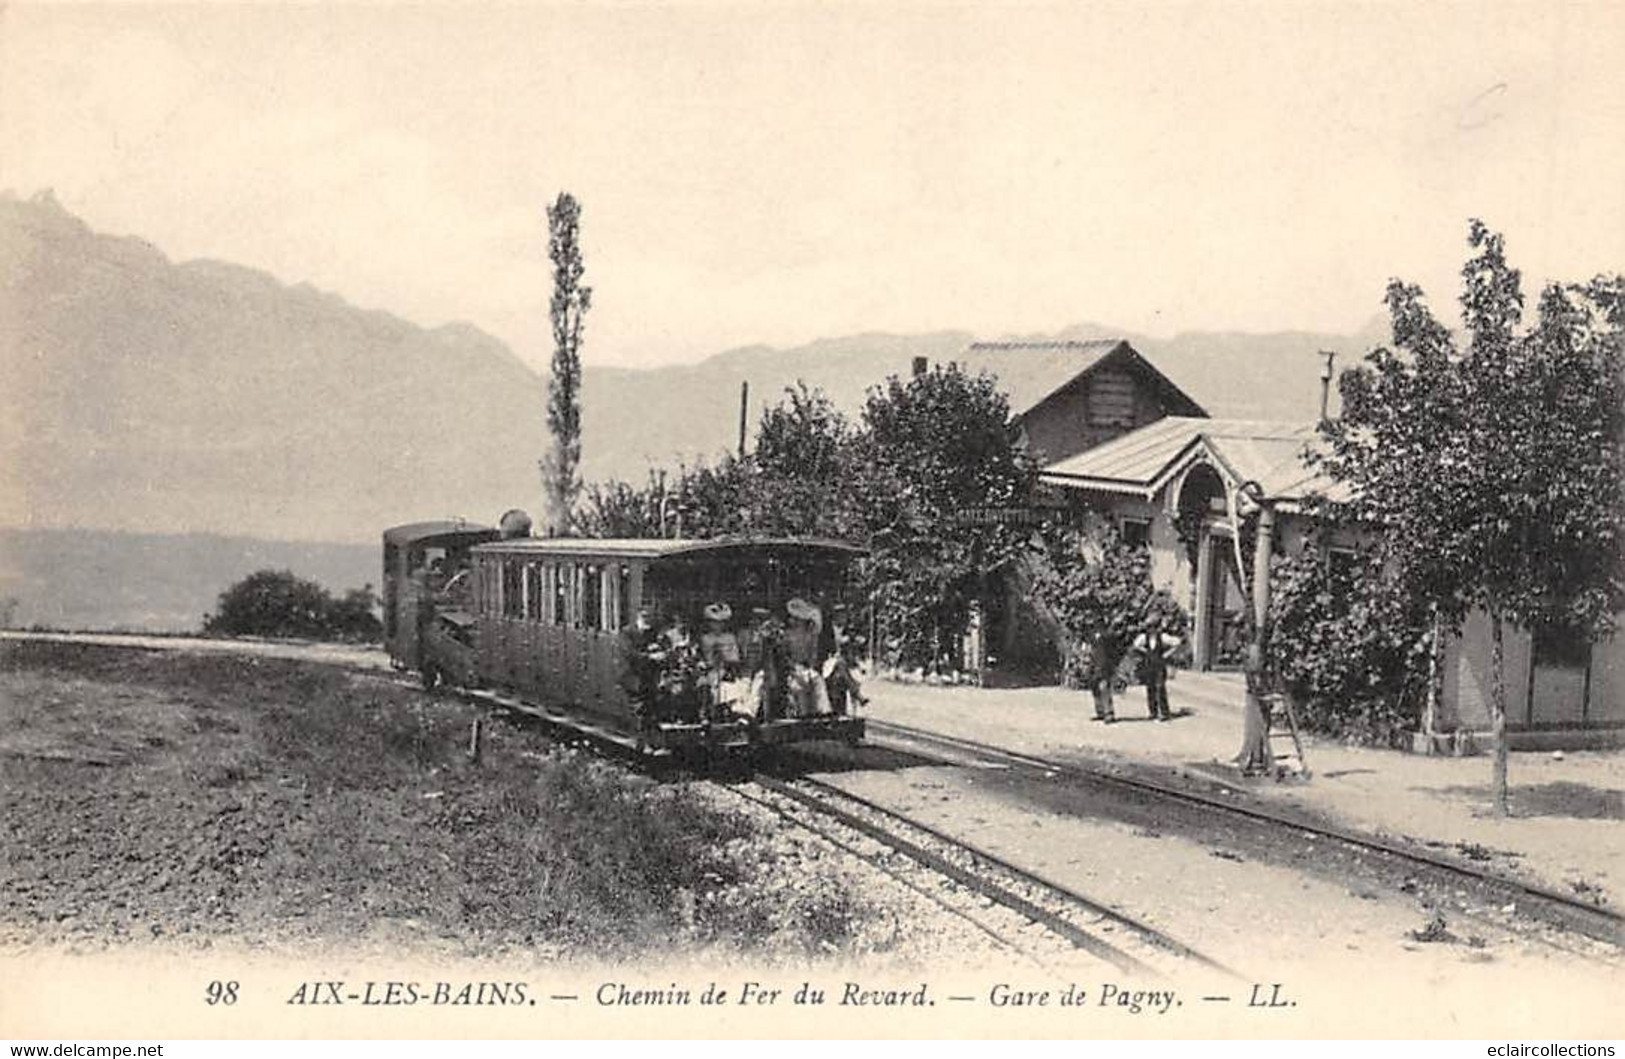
(1033,372)
(1273,453)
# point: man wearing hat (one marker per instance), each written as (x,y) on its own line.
(1154,647)
(770,664)
(840,668)
(642,655)
(808,697)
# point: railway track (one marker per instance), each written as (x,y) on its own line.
(1596,922)
(1023,911)
(1020,910)
(1591,922)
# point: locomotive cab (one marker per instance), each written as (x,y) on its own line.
(428,597)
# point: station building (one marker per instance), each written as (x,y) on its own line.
(1172,483)
(1120,440)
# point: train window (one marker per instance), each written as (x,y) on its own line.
(623,597)
(592,597)
(391,597)
(533,592)
(513,590)
(561,593)
(576,590)
(606,591)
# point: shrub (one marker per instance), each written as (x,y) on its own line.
(1099,590)
(276,603)
(1349,645)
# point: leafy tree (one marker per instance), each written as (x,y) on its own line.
(933,456)
(802,464)
(1494,470)
(913,479)
(1099,592)
(276,603)
(571,300)
(621,509)
(715,500)
(354,616)
(793,484)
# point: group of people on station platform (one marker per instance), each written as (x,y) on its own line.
(771,666)
(1149,653)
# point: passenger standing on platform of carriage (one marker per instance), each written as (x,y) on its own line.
(681,671)
(641,657)
(840,670)
(719,647)
(808,697)
(768,682)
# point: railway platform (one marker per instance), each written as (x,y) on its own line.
(1566,830)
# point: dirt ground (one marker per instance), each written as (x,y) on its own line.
(1565,830)
(201,800)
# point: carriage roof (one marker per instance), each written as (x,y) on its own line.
(418,532)
(642,548)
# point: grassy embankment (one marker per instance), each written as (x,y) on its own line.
(151,794)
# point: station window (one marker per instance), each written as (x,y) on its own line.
(1136,532)
(1561,646)
(1341,565)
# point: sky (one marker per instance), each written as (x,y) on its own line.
(775,173)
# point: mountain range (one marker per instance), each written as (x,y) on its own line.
(152,396)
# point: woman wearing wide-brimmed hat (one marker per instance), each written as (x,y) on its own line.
(719,646)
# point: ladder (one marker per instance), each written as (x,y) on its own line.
(1292,762)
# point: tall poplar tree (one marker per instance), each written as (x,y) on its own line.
(561,483)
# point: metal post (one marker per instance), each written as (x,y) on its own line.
(1261,570)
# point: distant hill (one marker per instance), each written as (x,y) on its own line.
(147,395)
(85,579)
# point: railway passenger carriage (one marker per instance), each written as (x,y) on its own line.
(547,624)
